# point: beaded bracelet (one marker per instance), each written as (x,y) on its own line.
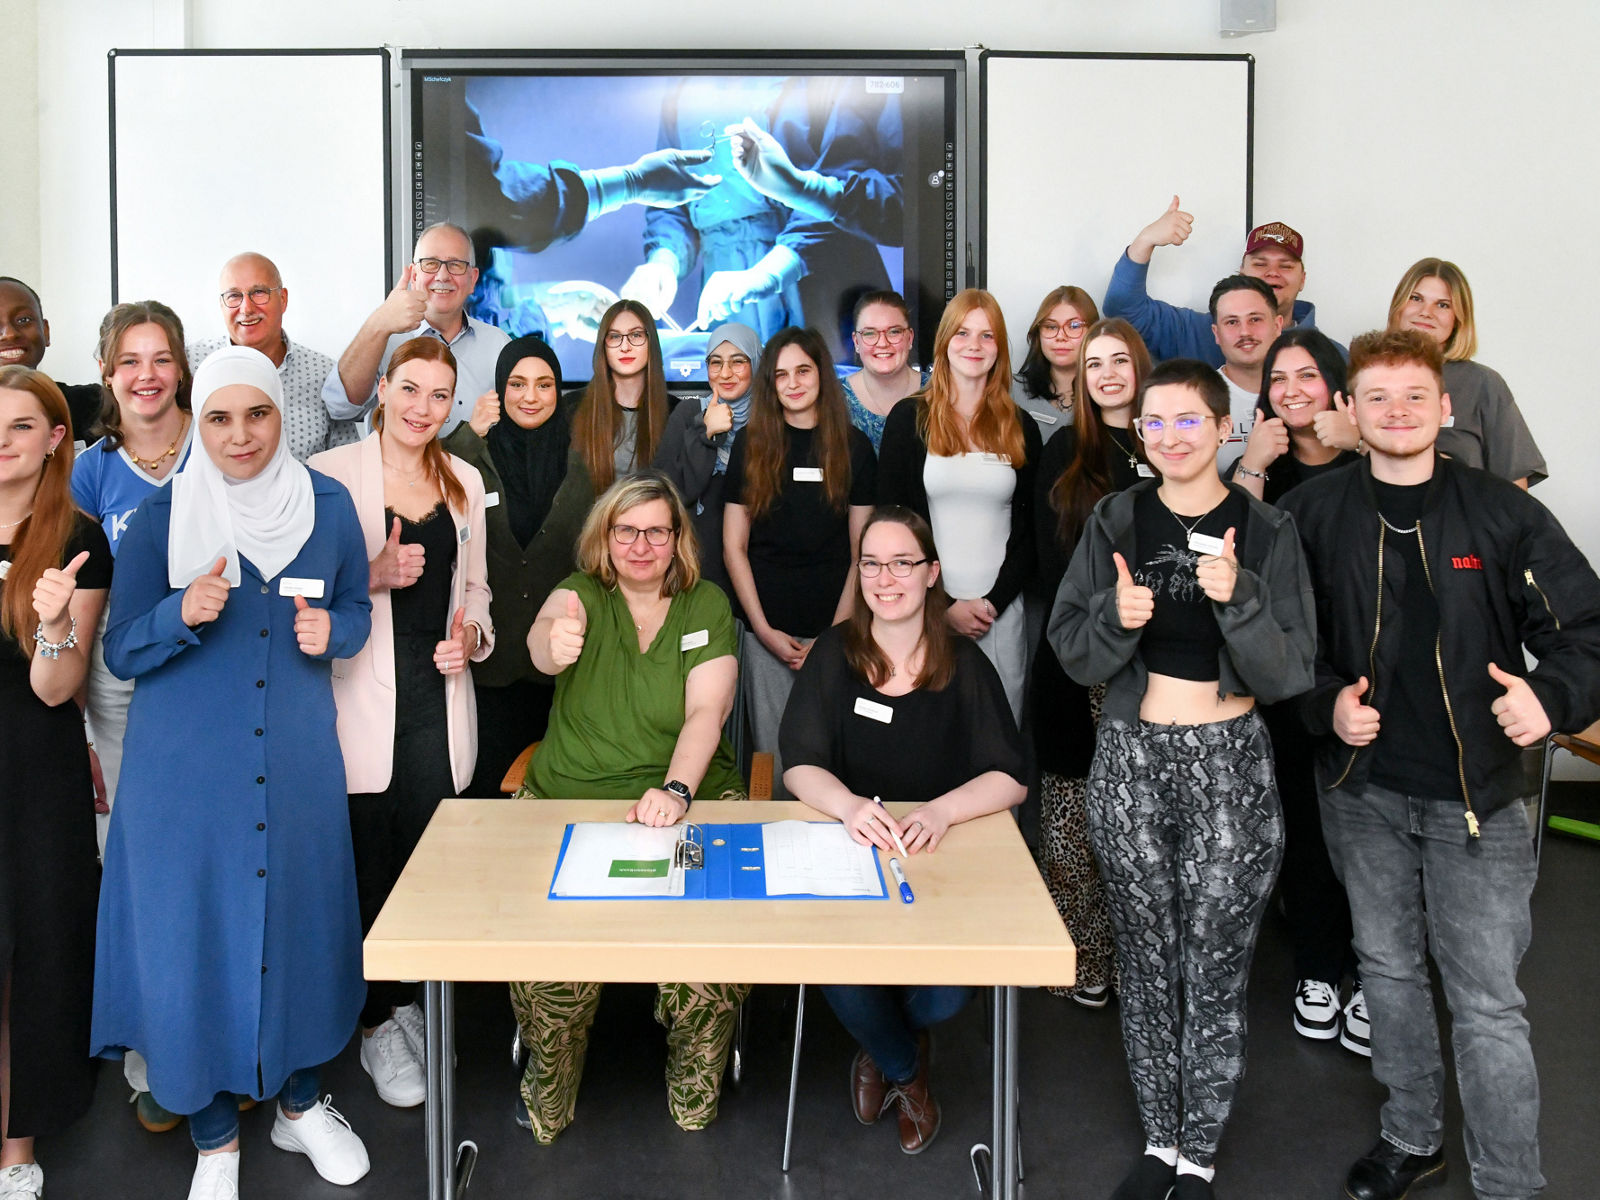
(53,650)
(1244,470)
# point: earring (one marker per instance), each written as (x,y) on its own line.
(49,454)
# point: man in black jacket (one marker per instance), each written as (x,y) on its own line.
(1430,578)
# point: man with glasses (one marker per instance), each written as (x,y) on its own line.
(1430,579)
(253,299)
(429,301)
(1272,253)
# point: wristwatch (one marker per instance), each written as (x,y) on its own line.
(679,790)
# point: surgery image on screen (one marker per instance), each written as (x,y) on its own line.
(771,200)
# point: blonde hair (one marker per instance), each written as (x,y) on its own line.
(594,556)
(1462,343)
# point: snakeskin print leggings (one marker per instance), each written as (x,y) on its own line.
(1186,826)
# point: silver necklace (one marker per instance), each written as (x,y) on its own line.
(1189,529)
(18,521)
(1393,528)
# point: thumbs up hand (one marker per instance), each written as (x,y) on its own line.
(1336,427)
(54,592)
(1354,721)
(1171,228)
(312,627)
(397,565)
(203,599)
(1522,717)
(566,633)
(402,310)
(1217,573)
(450,655)
(1135,604)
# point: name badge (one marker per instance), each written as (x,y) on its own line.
(1145,471)
(5,567)
(311,589)
(490,499)
(1003,460)
(871,708)
(463,534)
(1045,418)
(1449,422)
(808,474)
(693,641)
(1204,543)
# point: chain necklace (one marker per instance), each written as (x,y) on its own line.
(410,481)
(1133,461)
(18,521)
(1189,529)
(149,465)
(1393,528)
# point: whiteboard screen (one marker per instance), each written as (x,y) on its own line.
(284,154)
(1080,153)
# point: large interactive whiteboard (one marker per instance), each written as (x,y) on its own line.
(281,152)
(1081,151)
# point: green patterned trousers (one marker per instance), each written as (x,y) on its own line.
(555,1019)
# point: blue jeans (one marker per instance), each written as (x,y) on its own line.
(217,1124)
(885,1020)
(1417,882)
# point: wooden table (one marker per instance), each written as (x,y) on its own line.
(472,905)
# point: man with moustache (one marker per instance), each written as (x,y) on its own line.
(1244,324)
(253,299)
(1430,578)
(25,336)
(428,301)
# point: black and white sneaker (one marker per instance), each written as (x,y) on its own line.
(1355,1031)
(1316,1010)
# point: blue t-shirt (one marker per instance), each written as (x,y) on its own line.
(108,487)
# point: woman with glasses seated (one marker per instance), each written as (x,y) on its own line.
(800,484)
(643,653)
(695,448)
(883,338)
(1190,600)
(1043,384)
(892,704)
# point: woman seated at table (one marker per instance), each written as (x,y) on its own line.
(892,704)
(643,651)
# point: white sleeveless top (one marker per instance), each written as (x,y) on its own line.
(969,507)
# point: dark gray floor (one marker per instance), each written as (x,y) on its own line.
(1305,1111)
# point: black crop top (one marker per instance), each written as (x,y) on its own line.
(1182,638)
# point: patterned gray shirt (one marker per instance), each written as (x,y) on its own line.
(305,419)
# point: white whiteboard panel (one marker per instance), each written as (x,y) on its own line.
(284,154)
(1083,152)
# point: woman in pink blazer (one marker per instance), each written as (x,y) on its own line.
(407,720)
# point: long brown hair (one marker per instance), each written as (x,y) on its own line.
(1087,477)
(1035,369)
(767,433)
(41,540)
(995,427)
(435,458)
(594,425)
(113,328)
(861,650)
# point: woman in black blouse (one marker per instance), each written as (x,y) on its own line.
(892,704)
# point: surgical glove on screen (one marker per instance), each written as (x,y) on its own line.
(766,167)
(661,179)
(726,292)
(654,282)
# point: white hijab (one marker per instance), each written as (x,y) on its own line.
(267,519)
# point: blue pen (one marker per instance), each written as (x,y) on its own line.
(895,869)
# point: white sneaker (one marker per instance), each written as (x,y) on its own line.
(216,1177)
(1316,1010)
(1355,1033)
(24,1181)
(409,1018)
(395,1072)
(323,1135)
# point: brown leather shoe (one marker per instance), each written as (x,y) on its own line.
(868,1089)
(918,1111)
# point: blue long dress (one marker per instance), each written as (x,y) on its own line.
(228,949)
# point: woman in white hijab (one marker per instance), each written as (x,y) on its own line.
(228,948)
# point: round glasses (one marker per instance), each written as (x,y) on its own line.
(900,568)
(456,266)
(634,337)
(1186,425)
(893,334)
(656,535)
(716,364)
(233,297)
(1055,329)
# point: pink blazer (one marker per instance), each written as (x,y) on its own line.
(363,686)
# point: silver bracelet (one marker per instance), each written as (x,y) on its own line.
(1244,470)
(53,650)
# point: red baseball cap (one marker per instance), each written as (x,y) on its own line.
(1275,233)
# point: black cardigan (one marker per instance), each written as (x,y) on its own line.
(901,459)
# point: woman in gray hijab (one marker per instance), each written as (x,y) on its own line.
(694,447)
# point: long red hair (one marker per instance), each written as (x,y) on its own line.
(995,427)
(435,458)
(40,542)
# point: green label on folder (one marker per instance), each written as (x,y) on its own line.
(639,868)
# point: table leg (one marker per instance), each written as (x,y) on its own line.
(448,1175)
(985,1158)
(1009,1167)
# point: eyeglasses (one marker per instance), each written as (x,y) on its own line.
(1054,329)
(233,297)
(634,337)
(1186,425)
(656,535)
(456,266)
(717,364)
(893,334)
(900,568)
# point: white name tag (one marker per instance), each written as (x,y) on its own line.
(871,708)
(808,474)
(5,567)
(1045,418)
(1145,471)
(311,589)
(490,499)
(1003,460)
(463,534)
(1204,543)
(1449,422)
(693,641)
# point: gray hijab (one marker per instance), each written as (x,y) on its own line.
(748,342)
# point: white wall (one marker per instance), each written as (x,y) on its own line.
(1385,132)
(19,141)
